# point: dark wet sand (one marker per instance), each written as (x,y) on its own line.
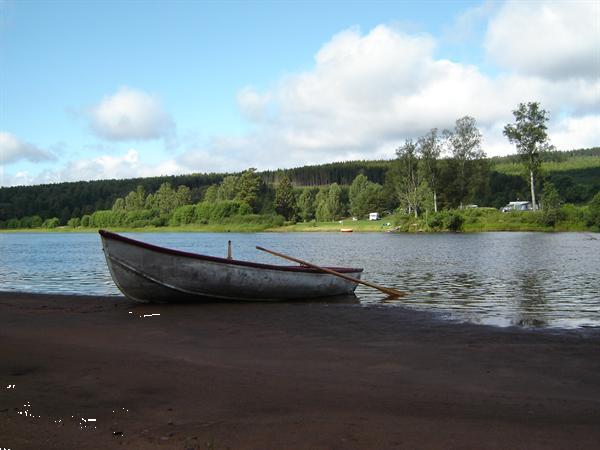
(285,376)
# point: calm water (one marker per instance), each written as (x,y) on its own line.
(527,279)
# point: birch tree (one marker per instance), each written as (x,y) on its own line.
(407,176)
(528,133)
(430,148)
(464,143)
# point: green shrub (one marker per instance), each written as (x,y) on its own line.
(593,215)
(13,223)
(217,211)
(51,223)
(108,218)
(74,222)
(446,220)
(183,215)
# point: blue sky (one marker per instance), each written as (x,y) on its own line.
(122,89)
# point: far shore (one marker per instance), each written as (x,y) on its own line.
(303,227)
(102,373)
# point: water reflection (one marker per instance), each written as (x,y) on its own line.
(526,279)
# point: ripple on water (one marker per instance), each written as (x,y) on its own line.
(502,279)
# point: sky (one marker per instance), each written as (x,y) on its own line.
(102,90)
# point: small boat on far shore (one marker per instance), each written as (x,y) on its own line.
(147,272)
(346,230)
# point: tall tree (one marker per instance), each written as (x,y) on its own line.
(334,202)
(321,209)
(135,200)
(165,198)
(119,205)
(528,133)
(285,200)
(550,204)
(211,194)
(406,176)
(248,187)
(228,189)
(307,204)
(183,196)
(365,196)
(430,150)
(465,145)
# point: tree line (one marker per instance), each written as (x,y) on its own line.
(441,170)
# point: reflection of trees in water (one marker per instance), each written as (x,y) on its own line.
(532,304)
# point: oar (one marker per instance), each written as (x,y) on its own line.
(389,291)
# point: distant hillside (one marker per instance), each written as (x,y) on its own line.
(575,173)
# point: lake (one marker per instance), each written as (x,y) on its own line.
(524,279)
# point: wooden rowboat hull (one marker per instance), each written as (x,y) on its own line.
(146,272)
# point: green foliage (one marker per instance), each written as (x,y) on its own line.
(365,196)
(141,218)
(165,199)
(446,220)
(214,212)
(550,205)
(285,200)
(51,223)
(528,133)
(464,143)
(86,221)
(119,205)
(248,187)
(74,222)
(329,203)
(594,211)
(321,211)
(13,223)
(183,196)
(108,218)
(228,189)
(430,150)
(211,193)
(30,222)
(136,200)
(183,215)
(307,204)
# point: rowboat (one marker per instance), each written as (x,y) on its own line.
(147,272)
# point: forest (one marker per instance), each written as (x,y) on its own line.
(440,171)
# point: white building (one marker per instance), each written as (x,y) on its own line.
(374,216)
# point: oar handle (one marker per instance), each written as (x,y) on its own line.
(389,291)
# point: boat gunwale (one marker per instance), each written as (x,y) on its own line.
(170,251)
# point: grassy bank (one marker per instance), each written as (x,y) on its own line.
(569,218)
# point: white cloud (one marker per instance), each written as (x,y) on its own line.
(253,105)
(554,39)
(130,114)
(576,132)
(12,149)
(115,166)
(367,93)
(127,165)
(363,96)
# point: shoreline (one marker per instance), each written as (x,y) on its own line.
(282,229)
(286,375)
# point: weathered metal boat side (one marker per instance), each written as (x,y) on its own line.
(146,272)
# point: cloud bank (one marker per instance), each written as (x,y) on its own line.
(12,149)
(367,92)
(130,114)
(554,40)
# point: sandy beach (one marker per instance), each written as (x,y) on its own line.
(101,372)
